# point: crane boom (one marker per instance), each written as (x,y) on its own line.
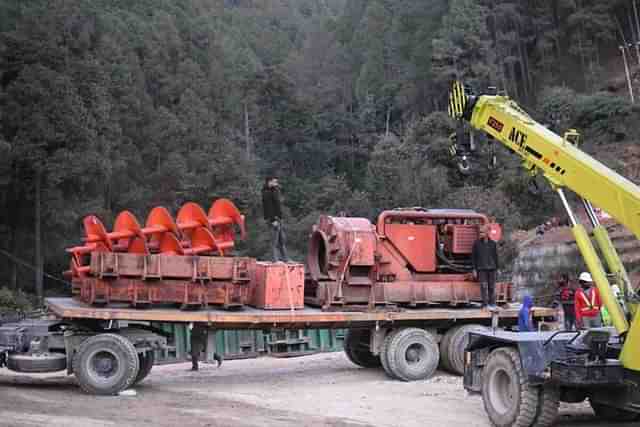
(564,165)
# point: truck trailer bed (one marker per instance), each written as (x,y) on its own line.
(307,318)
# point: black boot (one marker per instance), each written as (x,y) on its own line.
(218,359)
(194,363)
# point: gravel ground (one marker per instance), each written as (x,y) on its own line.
(319,390)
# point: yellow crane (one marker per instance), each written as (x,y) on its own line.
(550,361)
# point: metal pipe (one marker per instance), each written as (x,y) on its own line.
(591,213)
(572,217)
(628,74)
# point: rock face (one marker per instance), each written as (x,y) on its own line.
(541,259)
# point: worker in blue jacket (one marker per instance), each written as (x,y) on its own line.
(525,316)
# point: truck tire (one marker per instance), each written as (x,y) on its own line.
(548,404)
(145,361)
(37,363)
(509,399)
(412,354)
(611,413)
(384,351)
(357,349)
(106,364)
(453,345)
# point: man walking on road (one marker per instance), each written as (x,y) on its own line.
(198,343)
(485,263)
(588,303)
(273,215)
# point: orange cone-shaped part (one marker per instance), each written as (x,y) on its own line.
(126,226)
(202,241)
(96,240)
(222,215)
(169,245)
(95,232)
(158,223)
(128,234)
(138,245)
(191,216)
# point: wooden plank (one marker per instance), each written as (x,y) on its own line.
(250,317)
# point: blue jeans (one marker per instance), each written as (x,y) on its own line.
(278,241)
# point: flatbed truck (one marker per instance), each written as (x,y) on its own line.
(109,349)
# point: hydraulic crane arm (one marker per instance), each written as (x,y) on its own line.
(563,164)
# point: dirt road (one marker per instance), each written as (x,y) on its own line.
(320,390)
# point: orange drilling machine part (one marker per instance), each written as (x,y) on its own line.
(411,257)
(183,261)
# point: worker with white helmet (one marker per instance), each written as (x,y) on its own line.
(588,303)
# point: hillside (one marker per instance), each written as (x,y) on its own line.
(120,105)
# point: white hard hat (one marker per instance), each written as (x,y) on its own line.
(615,289)
(585,277)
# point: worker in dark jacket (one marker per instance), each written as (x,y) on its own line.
(273,216)
(566,294)
(485,263)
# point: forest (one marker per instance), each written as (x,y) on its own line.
(114,105)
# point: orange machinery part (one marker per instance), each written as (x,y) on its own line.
(202,233)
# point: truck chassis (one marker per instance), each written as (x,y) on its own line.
(108,351)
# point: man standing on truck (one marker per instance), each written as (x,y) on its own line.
(588,303)
(273,215)
(485,263)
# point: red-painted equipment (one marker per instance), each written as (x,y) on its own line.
(411,257)
(223,214)
(278,286)
(151,250)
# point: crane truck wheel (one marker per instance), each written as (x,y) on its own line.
(106,364)
(357,349)
(509,399)
(611,413)
(145,361)
(548,404)
(453,345)
(412,354)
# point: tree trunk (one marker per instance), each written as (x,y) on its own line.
(637,19)
(634,37)
(526,70)
(386,132)
(247,134)
(38,239)
(12,244)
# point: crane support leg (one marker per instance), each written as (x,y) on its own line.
(594,265)
(630,356)
(611,257)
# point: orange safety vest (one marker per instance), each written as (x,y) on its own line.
(587,305)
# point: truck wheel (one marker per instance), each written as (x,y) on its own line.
(548,404)
(611,413)
(412,354)
(384,351)
(106,364)
(508,398)
(453,345)
(145,361)
(357,349)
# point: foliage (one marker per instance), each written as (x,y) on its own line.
(14,301)
(128,105)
